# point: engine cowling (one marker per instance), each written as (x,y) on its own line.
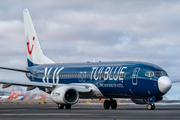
(65,95)
(139,101)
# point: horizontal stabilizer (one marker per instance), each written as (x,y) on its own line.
(13,69)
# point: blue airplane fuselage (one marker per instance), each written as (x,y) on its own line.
(113,79)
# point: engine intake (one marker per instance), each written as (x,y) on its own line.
(65,95)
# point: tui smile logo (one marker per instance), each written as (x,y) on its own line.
(30,51)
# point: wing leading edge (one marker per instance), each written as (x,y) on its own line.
(32,85)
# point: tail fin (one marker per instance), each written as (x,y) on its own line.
(11,95)
(35,55)
(16,95)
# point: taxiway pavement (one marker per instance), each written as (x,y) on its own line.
(87,112)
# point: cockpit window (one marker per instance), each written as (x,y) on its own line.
(164,73)
(156,73)
(149,73)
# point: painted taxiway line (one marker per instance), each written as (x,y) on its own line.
(43,114)
(64,115)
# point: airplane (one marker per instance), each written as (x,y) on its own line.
(4,95)
(10,96)
(18,97)
(25,96)
(142,82)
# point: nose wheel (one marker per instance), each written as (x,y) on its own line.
(150,106)
(111,103)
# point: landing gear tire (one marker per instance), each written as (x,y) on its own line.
(60,106)
(68,106)
(151,106)
(113,104)
(107,104)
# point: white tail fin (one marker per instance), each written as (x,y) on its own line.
(35,55)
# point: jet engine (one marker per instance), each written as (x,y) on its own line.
(139,101)
(65,95)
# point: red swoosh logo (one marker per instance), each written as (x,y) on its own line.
(30,51)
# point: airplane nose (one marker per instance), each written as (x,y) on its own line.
(164,84)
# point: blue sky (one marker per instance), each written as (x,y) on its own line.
(83,30)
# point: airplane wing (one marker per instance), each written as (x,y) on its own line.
(32,85)
(175,81)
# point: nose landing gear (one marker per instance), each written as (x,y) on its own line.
(150,106)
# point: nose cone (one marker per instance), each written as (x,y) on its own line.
(164,84)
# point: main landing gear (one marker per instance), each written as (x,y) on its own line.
(111,103)
(61,106)
(150,106)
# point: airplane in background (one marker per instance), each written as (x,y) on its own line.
(4,95)
(142,82)
(10,96)
(40,97)
(18,97)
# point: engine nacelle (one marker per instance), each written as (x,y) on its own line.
(139,101)
(65,95)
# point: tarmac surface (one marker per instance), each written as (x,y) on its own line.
(90,111)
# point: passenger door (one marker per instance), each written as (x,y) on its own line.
(135,76)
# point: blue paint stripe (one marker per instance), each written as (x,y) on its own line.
(30,63)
